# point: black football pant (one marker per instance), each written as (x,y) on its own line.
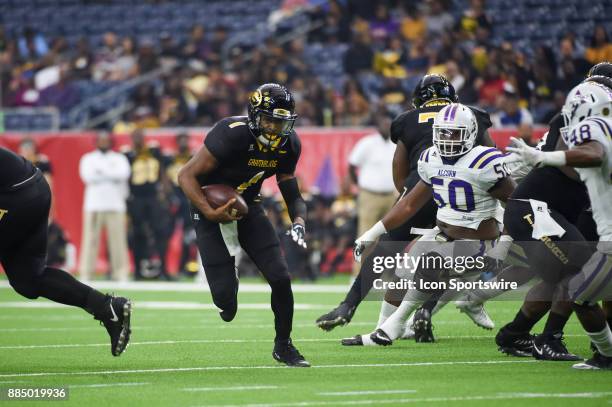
(149,222)
(23,249)
(258,238)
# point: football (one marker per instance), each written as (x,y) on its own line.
(218,194)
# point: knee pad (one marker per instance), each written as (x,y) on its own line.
(28,289)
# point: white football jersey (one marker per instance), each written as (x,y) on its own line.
(598,180)
(460,188)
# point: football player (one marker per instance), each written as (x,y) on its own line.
(466,182)
(568,210)
(588,134)
(25,200)
(242,152)
(412,132)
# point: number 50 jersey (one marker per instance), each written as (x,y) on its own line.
(461,187)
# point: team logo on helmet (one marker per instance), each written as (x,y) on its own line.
(256,98)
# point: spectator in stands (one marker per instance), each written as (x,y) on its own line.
(82,60)
(105,174)
(513,115)
(169,53)
(32,45)
(600,48)
(356,110)
(64,94)
(474,18)
(126,66)
(437,18)
(413,24)
(454,75)
(490,87)
(370,169)
(21,90)
(106,57)
(173,107)
(383,26)
(217,43)
(147,57)
(417,60)
(567,55)
(196,46)
(359,57)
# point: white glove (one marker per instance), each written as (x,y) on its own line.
(533,156)
(298,234)
(367,239)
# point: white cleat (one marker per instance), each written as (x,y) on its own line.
(476,313)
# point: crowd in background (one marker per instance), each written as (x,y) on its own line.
(390,44)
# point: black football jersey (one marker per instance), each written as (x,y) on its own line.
(414,129)
(15,169)
(147,166)
(567,196)
(244,163)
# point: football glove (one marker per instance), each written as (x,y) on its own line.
(298,234)
(533,156)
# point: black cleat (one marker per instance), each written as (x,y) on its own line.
(341,315)
(354,341)
(115,316)
(285,352)
(422,326)
(597,362)
(379,337)
(552,347)
(514,343)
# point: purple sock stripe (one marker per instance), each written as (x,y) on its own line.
(591,277)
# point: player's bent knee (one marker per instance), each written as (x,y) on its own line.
(27,289)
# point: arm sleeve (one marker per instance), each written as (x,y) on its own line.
(288,163)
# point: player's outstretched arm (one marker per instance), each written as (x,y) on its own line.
(587,154)
(203,163)
(403,210)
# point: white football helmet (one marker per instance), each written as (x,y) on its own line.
(454,130)
(586,100)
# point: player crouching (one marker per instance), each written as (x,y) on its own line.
(466,182)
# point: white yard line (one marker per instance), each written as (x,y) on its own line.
(364,392)
(508,396)
(221,368)
(232,388)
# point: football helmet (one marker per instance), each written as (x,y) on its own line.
(433,87)
(585,100)
(454,130)
(271,114)
(601,69)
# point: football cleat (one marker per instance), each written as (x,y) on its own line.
(514,343)
(422,326)
(353,341)
(339,316)
(477,313)
(115,316)
(597,362)
(285,352)
(552,347)
(379,337)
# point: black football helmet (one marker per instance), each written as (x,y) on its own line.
(601,79)
(432,87)
(601,69)
(271,114)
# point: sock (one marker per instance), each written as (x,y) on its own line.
(431,303)
(386,310)
(521,323)
(555,323)
(603,341)
(59,286)
(282,306)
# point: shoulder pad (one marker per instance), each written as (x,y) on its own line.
(482,117)
(484,156)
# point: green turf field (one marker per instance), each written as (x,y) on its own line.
(189,357)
